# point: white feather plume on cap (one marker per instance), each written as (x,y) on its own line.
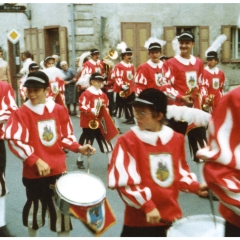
(153,40)
(175,45)
(122,47)
(82,57)
(216,44)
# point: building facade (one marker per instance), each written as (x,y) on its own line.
(68,30)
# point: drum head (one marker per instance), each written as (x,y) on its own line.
(81,189)
(198,226)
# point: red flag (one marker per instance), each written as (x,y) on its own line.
(106,124)
(98,218)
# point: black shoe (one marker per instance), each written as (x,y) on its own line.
(4,232)
(127,120)
(131,122)
(119,130)
(80,165)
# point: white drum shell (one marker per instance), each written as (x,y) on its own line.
(79,189)
(197,226)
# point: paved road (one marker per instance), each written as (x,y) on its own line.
(190,203)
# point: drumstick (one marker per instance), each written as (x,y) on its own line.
(166,222)
(88,155)
(212,207)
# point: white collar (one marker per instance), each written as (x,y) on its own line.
(185,61)
(155,65)
(126,64)
(94,91)
(93,62)
(39,108)
(165,135)
(212,70)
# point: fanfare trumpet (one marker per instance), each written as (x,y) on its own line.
(125,93)
(207,105)
(93,124)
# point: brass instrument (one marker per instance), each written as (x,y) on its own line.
(113,54)
(123,93)
(93,124)
(206,106)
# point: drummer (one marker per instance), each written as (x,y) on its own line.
(36,134)
(148,168)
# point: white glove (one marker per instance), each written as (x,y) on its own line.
(125,87)
(93,110)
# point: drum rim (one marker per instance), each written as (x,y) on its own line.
(179,222)
(77,203)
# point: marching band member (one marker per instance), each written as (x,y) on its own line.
(4,69)
(214,77)
(56,79)
(123,74)
(222,167)
(7,106)
(94,64)
(148,168)
(90,103)
(38,140)
(149,74)
(186,86)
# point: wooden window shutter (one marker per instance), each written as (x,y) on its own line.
(143,34)
(169,35)
(41,45)
(203,41)
(63,44)
(31,42)
(226,47)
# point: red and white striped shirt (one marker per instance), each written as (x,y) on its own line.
(148,169)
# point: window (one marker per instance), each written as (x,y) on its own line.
(235,43)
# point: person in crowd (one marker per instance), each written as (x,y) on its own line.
(70,88)
(7,106)
(27,59)
(164,58)
(4,70)
(57,61)
(47,129)
(148,168)
(222,163)
(123,75)
(90,103)
(149,74)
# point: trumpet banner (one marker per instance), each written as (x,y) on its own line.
(106,124)
(97,218)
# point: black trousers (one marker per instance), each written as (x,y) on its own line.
(231,230)
(123,106)
(196,136)
(2,168)
(88,135)
(159,231)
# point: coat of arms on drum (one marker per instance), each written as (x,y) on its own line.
(95,216)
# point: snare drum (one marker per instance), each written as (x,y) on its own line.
(78,189)
(197,226)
